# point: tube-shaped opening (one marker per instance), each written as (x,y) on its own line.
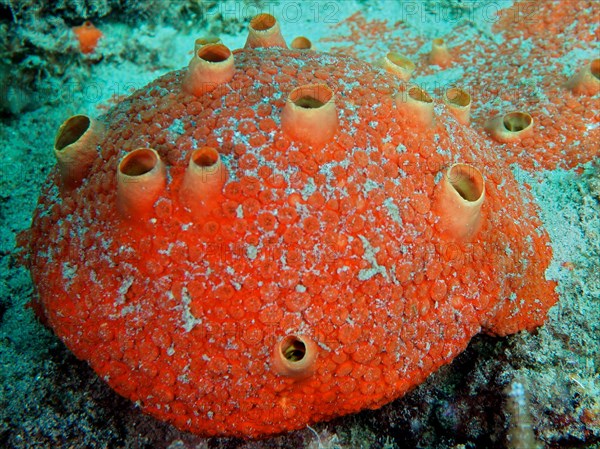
(415,104)
(75,148)
(263,22)
(71,131)
(139,162)
(458,201)
(418,94)
(206,157)
(439,55)
(401,61)
(595,68)
(467,181)
(213,64)
(458,97)
(205,40)
(459,104)
(312,96)
(141,178)
(264,31)
(310,114)
(293,349)
(203,182)
(301,43)
(295,356)
(214,53)
(398,65)
(587,80)
(510,127)
(517,121)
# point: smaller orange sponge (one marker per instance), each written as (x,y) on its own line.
(88,36)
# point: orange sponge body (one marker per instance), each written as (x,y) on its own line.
(88,36)
(338,244)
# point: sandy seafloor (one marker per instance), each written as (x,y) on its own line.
(49,399)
